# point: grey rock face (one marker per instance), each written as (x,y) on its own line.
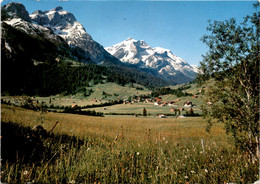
(17,10)
(65,25)
(53,17)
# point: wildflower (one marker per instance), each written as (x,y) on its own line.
(25,172)
(137,153)
(72,182)
(186,177)
(206,171)
(192,172)
(88,149)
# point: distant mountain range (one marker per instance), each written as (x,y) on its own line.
(69,39)
(167,65)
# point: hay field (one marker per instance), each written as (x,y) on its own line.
(119,149)
(137,108)
(132,127)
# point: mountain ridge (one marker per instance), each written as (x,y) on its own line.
(65,25)
(163,61)
(70,41)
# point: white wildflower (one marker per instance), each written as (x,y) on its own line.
(25,172)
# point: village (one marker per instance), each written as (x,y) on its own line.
(131,101)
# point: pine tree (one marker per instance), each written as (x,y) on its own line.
(144,112)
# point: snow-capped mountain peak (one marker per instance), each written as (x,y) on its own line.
(168,65)
(64,24)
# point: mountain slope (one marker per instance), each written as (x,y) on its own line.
(65,25)
(163,61)
(36,61)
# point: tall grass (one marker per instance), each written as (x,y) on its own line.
(145,151)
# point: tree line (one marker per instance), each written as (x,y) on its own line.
(164,91)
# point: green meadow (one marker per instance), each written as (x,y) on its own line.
(117,149)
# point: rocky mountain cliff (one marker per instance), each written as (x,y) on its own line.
(163,61)
(65,25)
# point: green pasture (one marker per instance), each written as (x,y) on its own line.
(137,108)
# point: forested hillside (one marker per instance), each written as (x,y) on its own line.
(35,65)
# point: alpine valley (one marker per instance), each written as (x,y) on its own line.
(50,52)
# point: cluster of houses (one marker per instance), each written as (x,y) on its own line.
(159,102)
(172,103)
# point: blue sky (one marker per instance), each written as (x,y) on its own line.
(174,25)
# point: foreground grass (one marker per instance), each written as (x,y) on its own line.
(146,150)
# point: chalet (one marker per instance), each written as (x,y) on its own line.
(180,117)
(161,116)
(172,109)
(172,103)
(188,104)
(156,103)
(74,105)
(158,99)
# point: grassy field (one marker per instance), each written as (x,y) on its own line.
(116,91)
(117,149)
(113,91)
(137,108)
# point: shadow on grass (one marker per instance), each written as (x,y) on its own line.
(31,145)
